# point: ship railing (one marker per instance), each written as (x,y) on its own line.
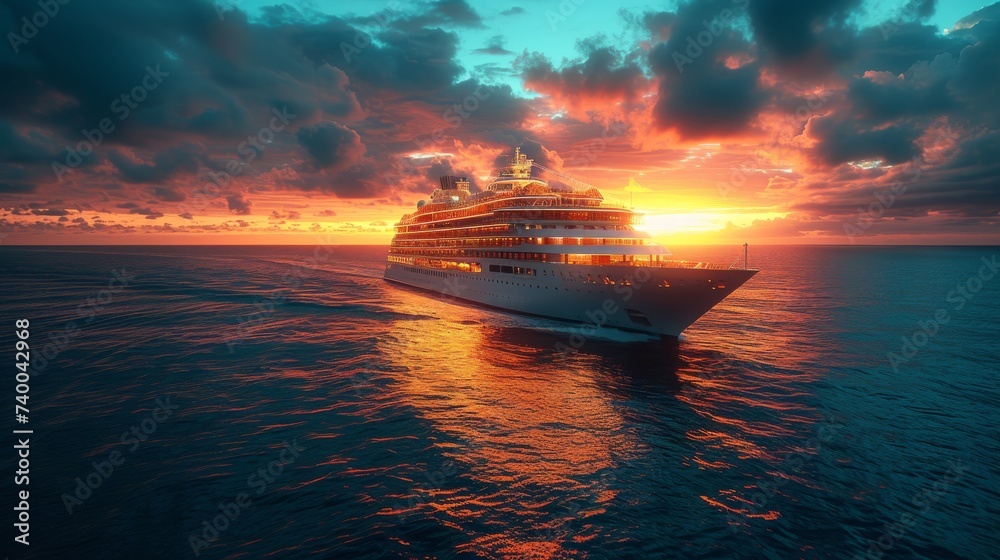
(465,208)
(668,264)
(687,264)
(617,205)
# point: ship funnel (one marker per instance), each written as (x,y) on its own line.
(451,182)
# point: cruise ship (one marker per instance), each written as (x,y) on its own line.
(553,251)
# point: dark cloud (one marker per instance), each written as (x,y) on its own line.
(961,186)
(291,215)
(169,194)
(494,46)
(494,72)
(455,13)
(988,13)
(978,82)
(331,145)
(516,10)
(658,24)
(700,94)
(604,73)
(916,75)
(445,166)
(15,148)
(12,188)
(239,204)
(50,212)
(720,102)
(805,37)
(220,81)
(149,213)
(403,61)
(842,141)
(896,47)
(919,9)
(165,165)
(894,99)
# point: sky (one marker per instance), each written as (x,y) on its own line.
(721,121)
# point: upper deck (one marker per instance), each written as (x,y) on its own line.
(512,188)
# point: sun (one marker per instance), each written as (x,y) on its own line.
(688,222)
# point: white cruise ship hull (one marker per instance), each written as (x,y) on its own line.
(662,301)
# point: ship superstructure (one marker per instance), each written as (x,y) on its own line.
(555,251)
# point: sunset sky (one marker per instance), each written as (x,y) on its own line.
(767,121)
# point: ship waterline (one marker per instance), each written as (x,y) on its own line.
(524,246)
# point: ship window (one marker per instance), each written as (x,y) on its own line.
(506,269)
(494,268)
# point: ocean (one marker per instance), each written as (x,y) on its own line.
(286,402)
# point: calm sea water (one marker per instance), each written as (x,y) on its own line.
(258,402)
